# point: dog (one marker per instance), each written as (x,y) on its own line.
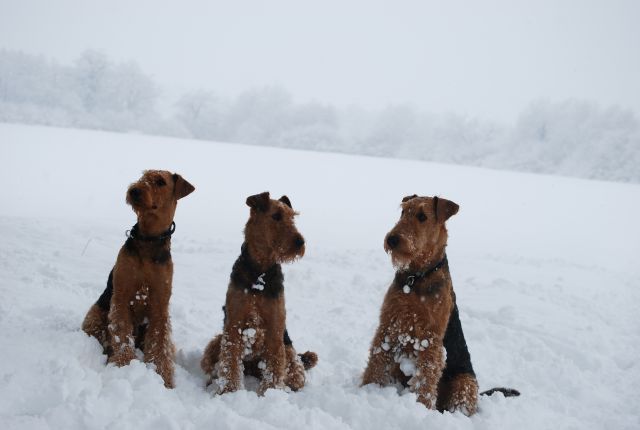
(419,319)
(133,310)
(255,340)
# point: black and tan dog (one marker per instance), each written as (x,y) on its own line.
(255,339)
(419,319)
(133,311)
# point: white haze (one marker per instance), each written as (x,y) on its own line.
(573,138)
(487,59)
(546,87)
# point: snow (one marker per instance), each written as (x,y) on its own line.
(259,285)
(545,271)
(408,366)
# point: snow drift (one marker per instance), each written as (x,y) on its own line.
(545,271)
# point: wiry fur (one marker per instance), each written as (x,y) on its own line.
(254,339)
(409,344)
(133,311)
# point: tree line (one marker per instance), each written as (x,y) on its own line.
(571,137)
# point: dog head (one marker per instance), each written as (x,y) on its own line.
(420,236)
(155,195)
(270,233)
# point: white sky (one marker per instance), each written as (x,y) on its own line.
(484,58)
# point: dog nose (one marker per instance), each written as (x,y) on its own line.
(393,241)
(134,193)
(299,241)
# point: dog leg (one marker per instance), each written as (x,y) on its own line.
(459,393)
(210,358)
(458,387)
(159,348)
(378,370)
(294,372)
(95,324)
(274,359)
(120,331)
(97,318)
(429,365)
(230,366)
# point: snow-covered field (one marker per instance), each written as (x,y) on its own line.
(545,269)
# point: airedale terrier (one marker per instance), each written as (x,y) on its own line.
(254,340)
(419,319)
(133,311)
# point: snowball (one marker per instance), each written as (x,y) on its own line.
(407,366)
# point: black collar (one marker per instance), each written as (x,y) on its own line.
(134,233)
(246,275)
(412,277)
(251,267)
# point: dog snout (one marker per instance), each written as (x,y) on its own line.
(298,241)
(393,240)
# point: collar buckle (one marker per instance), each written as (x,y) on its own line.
(411,279)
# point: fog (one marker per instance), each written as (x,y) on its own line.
(486,59)
(545,87)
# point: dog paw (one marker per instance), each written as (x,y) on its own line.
(122,357)
(225,385)
(295,379)
(270,381)
(428,399)
(166,372)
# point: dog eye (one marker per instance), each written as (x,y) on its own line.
(421,217)
(160,182)
(277,216)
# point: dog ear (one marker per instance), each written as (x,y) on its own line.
(286,201)
(444,208)
(181,187)
(260,201)
(407,198)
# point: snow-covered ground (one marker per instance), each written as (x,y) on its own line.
(545,269)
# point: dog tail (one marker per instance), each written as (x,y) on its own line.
(309,359)
(507,392)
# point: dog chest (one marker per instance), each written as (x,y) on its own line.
(406,313)
(139,301)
